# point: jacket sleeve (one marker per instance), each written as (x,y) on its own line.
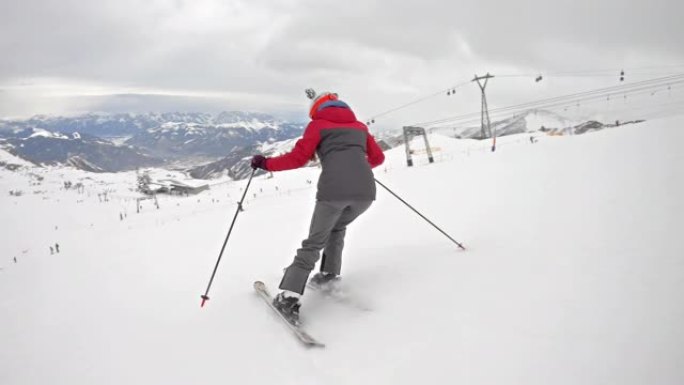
(302,152)
(374,152)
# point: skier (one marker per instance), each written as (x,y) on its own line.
(57,247)
(52,251)
(346,188)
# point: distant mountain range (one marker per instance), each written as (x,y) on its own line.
(206,146)
(111,143)
(83,151)
(213,137)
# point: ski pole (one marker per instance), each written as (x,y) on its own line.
(205,297)
(421,215)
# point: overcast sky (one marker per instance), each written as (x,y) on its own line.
(71,56)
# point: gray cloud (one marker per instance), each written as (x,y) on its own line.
(378,52)
(512,32)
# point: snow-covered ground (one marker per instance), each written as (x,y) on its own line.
(574,272)
(6,157)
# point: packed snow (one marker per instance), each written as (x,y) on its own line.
(573,273)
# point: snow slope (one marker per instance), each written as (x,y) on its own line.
(574,273)
(535,119)
(6,157)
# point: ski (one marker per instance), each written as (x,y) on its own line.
(300,333)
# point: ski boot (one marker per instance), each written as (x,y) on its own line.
(288,306)
(325,282)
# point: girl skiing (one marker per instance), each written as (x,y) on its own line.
(346,188)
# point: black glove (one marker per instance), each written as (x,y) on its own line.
(259,161)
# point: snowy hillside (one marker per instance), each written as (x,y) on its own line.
(530,121)
(536,119)
(237,165)
(573,273)
(12,162)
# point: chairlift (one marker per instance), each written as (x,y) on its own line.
(538,79)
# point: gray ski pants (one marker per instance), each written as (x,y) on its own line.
(327,230)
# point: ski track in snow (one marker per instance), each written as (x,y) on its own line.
(574,273)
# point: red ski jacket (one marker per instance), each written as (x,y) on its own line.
(347,152)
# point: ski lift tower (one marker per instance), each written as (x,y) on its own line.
(486,130)
(410,133)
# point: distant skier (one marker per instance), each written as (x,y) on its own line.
(346,188)
(57,247)
(52,251)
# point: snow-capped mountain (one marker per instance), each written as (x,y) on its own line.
(105,125)
(219,144)
(217,137)
(83,151)
(144,140)
(119,125)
